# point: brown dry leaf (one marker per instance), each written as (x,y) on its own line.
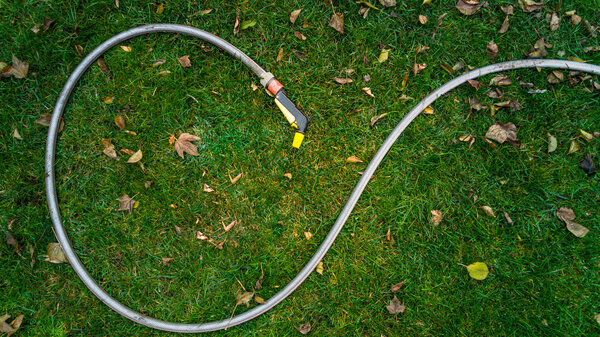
(280,55)
(488,211)
(342,80)
(388,3)
(436,217)
(244,298)
(228,227)
(55,253)
(539,49)
(11,328)
(597,318)
(554,22)
(183,145)
(11,241)
(236,25)
(419,50)
(258,284)
(502,132)
(136,157)
(166,260)
(422,19)
(404,98)
(475,84)
(474,104)
(201,236)
(104,67)
(308,235)
(508,218)
(79,50)
(294,15)
(367,91)
(529,6)
(417,67)
(576,19)
(304,328)
(299,35)
(337,22)
(126,203)
(508,10)
(395,307)
(353,159)
(18,68)
(504,28)
(500,80)
(468,7)
(235,179)
(157,63)
(491,49)
(207,188)
(567,216)
(376,119)
(555,77)
(185,61)
(388,235)
(120,122)
(109,149)
(397,286)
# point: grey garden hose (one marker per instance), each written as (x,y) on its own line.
(265,77)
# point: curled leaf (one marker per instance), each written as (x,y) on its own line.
(376,119)
(552,143)
(436,217)
(136,157)
(353,159)
(488,211)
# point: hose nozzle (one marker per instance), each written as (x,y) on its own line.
(294,116)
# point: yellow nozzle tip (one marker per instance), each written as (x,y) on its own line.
(298,138)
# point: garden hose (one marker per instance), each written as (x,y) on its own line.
(294,117)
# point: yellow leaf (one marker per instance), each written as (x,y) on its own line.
(320,268)
(308,235)
(108,99)
(126,49)
(587,136)
(280,55)
(574,147)
(478,270)
(288,175)
(160,9)
(428,110)
(353,159)
(135,157)
(384,55)
(426,2)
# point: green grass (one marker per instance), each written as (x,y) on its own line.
(543,280)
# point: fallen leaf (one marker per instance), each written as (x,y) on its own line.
(475,84)
(539,49)
(504,28)
(247,24)
(428,110)
(298,54)
(308,235)
(160,9)
(383,56)
(304,328)
(597,318)
(104,67)
(17,135)
(136,157)
(288,175)
(166,260)
(206,11)
(555,77)
(18,69)
(502,132)
(552,143)
(421,49)
(201,236)
(294,15)
(244,298)
(567,216)
(126,203)
(120,122)
(417,67)
(353,159)
(404,98)
(11,241)
(236,25)
(36,28)
(388,3)
(341,80)
(375,119)
(397,286)
(488,211)
(508,10)
(364,12)
(337,22)
(367,91)
(185,61)
(280,55)
(474,104)
(207,188)
(422,19)
(319,268)
(426,2)
(79,50)
(478,270)
(55,253)
(395,307)
(587,165)
(529,6)
(573,147)
(586,135)
(576,19)
(299,35)
(388,235)
(235,179)
(231,224)
(258,284)
(368,4)
(554,22)
(500,80)
(11,328)
(126,49)
(468,7)
(508,218)
(436,217)
(109,149)
(183,145)
(164,72)
(157,63)
(491,49)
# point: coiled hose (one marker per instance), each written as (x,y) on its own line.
(265,77)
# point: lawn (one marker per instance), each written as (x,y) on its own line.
(543,280)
